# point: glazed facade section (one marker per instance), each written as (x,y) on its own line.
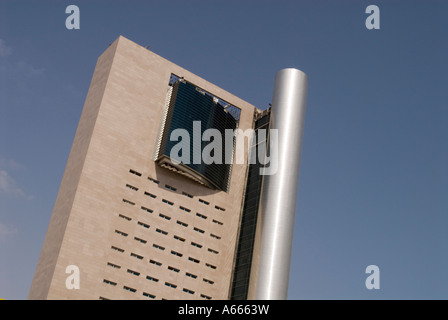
(246,241)
(195,111)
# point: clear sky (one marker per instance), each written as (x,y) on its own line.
(374,173)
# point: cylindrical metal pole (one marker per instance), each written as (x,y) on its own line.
(279,198)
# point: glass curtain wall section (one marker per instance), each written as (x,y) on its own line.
(190,107)
(243,259)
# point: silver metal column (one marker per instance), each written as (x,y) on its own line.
(279,198)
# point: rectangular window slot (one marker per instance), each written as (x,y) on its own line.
(109,282)
(176,253)
(150,195)
(204,202)
(153,180)
(164,216)
(193,260)
(179,238)
(135,273)
(131,187)
(152,278)
(206,297)
(184,209)
(208,281)
(140,240)
(143,224)
(198,230)
(188,291)
(212,251)
(135,172)
(129,289)
(167,202)
(183,224)
(187,195)
(129,202)
(136,256)
(158,247)
(121,233)
(113,265)
(194,244)
(220,208)
(170,285)
(149,295)
(157,263)
(200,215)
(191,275)
(173,269)
(162,231)
(215,236)
(147,209)
(124,217)
(218,222)
(210,266)
(117,249)
(170,187)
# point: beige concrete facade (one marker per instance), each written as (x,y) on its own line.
(135,230)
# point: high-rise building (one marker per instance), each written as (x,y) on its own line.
(143,212)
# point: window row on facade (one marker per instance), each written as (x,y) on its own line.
(182,208)
(163,232)
(149,295)
(156,279)
(172,252)
(168,187)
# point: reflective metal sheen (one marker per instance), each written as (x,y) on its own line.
(279,198)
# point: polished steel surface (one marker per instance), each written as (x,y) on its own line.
(279,198)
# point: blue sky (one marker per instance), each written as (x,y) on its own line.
(374,174)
